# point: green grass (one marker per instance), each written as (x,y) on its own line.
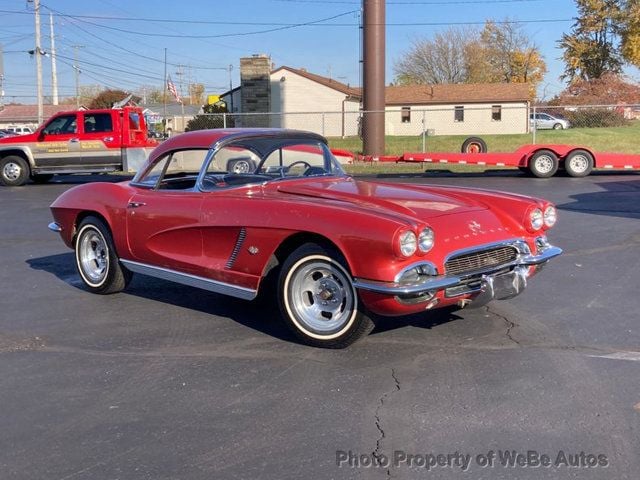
(614,139)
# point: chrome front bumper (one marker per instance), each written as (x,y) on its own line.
(499,282)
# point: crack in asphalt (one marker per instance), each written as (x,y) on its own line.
(382,435)
(510,324)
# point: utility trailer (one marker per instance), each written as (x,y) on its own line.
(542,161)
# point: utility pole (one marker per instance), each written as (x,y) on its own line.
(231,87)
(374,76)
(1,76)
(38,52)
(76,67)
(54,69)
(164,94)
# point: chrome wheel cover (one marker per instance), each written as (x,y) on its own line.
(12,171)
(321,297)
(579,163)
(241,167)
(93,256)
(544,164)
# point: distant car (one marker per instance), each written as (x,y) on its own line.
(244,211)
(20,129)
(6,133)
(544,121)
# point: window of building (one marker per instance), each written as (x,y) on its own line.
(496,113)
(406,115)
(458,115)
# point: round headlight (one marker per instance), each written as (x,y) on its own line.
(408,243)
(536,219)
(426,239)
(550,216)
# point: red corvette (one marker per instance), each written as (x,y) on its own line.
(240,211)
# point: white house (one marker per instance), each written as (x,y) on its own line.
(303,100)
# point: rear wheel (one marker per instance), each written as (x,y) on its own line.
(579,163)
(14,171)
(318,300)
(96,258)
(543,164)
(557,126)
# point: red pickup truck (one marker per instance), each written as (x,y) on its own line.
(79,141)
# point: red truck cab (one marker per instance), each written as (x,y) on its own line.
(79,141)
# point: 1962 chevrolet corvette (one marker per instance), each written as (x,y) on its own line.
(244,211)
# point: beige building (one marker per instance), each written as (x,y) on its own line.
(303,100)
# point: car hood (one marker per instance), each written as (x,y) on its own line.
(415,201)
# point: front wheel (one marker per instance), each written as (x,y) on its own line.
(96,258)
(318,300)
(543,164)
(14,171)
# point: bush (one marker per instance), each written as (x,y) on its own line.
(596,118)
(211,118)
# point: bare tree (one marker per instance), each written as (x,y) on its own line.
(440,60)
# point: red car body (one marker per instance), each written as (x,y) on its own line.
(228,236)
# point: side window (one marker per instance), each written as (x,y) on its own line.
(458,115)
(405,114)
(176,170)
(233,159)
(98,123)
(496,113)
(134,121)
(296,160)
(61,125)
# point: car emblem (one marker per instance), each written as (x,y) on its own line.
(253,250)
(474,226)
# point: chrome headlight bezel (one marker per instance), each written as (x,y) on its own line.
(550,216)
(536,219)
(426,239)
(407,243)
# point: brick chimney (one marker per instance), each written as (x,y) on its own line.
(255,92)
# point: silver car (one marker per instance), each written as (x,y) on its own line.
(544,121)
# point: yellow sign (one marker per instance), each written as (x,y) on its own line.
(213,99)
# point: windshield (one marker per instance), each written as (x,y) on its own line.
(258,160)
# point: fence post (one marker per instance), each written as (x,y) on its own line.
(424,131)
(224,120)
(535,125)
(323,124)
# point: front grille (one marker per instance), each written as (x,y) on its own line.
(489,259)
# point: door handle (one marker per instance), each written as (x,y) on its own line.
(74,140)
(136,204)
(108,139)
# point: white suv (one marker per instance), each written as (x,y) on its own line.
(20,129)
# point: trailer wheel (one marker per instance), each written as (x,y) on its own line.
(474,145)
(578,163)
(543,164)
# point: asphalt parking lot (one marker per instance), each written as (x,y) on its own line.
(169,382)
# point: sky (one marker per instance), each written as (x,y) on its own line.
(121,44)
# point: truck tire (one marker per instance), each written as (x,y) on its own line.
(14,171)
(41,177)
(474,145)
(543,164)
(578,163)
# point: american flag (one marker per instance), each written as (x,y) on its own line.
(172,88)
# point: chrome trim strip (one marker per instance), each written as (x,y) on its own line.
(442,282)
(55,227)
(191,280)
(439,282)
(236,249)
(421,263)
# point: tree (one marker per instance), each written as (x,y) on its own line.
(609,89)
(440,60)
(504,54)
(211,118)
(591,49)
(500,53)
(196,93)
(630,32)
(107,98)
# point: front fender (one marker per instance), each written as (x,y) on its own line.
(21,150)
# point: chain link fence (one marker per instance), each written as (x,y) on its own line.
(504,127)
